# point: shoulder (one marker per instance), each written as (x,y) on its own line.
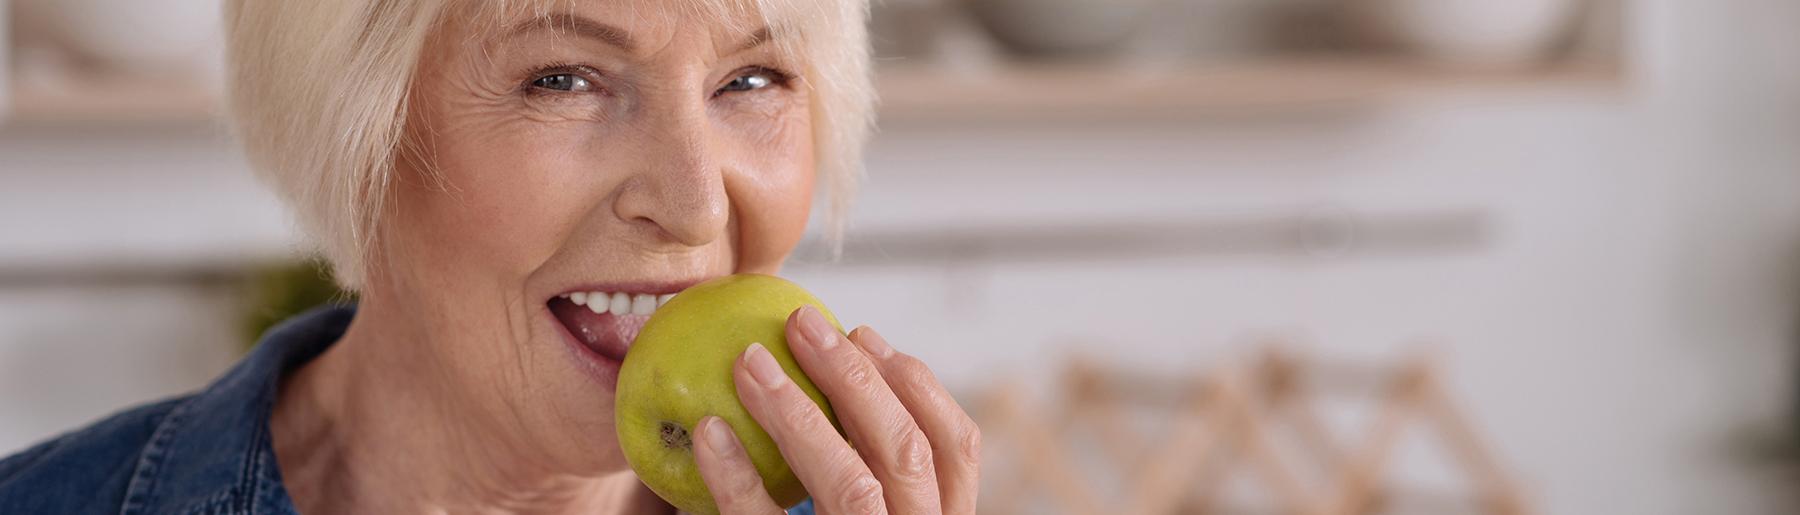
(84,471)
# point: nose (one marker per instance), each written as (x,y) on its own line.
(678,194)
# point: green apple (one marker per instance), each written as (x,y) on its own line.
(679,370)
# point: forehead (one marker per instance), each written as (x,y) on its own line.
(641,18)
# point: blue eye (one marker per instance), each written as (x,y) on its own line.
(752,79)
(563,82)
(747,83)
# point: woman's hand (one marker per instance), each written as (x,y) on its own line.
(915,450)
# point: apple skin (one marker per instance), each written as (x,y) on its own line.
(680,369)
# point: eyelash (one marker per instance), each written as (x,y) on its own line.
(777,78)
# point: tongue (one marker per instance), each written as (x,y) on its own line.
(605,333)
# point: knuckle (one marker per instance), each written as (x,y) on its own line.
(795,416)
(740,488)
(733,484)
(913,369)
(861,377)
(861,495)
(912,458)
(916,376)
(970,443)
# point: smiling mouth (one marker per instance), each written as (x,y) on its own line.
(606,322)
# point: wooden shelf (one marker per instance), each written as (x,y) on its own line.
(116,101)
(1318,235)
(1028,92)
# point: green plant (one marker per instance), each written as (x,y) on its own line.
(280,291)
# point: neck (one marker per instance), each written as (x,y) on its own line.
(374,425)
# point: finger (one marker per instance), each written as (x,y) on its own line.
(955,439)
(880,427)
(728,473)
(835,476)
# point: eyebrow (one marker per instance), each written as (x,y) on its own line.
(609,34)
(756,39)
(581,26)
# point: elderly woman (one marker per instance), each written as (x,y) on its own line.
(464,165)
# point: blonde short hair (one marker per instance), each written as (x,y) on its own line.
(319,91)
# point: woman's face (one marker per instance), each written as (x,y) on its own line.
(631,147)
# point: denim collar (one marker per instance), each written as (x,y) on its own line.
(212,454)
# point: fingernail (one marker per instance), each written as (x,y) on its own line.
(872,342)
(763,367)
(817,329)
(719,437)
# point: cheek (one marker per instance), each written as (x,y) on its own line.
(500,208)
(772,188)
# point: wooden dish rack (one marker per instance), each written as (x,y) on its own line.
(1230,420)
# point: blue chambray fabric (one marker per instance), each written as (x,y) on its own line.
(204,453)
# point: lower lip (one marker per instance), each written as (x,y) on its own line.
(602,369)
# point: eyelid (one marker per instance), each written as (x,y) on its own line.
(779,75)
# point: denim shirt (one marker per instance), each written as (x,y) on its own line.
(204,453)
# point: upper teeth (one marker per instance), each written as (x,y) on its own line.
(619,303)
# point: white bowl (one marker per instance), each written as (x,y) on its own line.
(1477,33)
(1062,27)
(155,36)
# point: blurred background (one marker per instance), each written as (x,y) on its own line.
(1426,256)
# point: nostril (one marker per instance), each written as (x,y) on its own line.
(690,228)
